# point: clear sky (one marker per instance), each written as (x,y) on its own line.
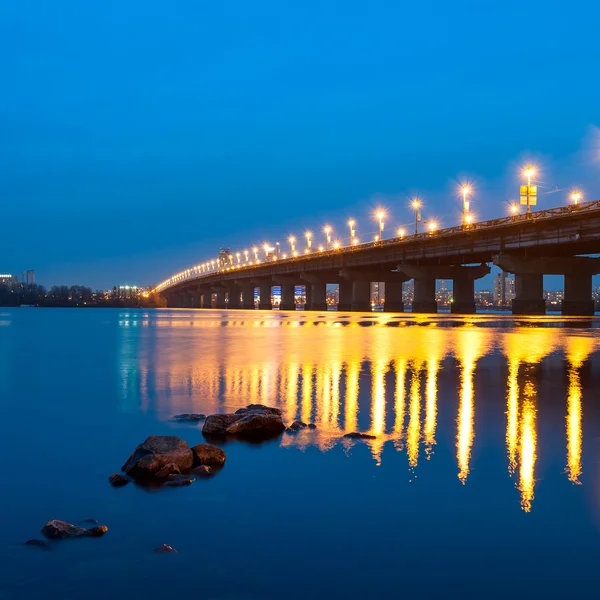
(138,137)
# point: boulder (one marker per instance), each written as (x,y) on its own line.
(360,436)
(157,452)
(207,454)
(218,424)
(58,530)
(258,408)
(204,471)
(178,480)
(118,480)
(257,425)
(164,549)
(38,544)
(170,469)
(312,426)
(296,425)
(189,417)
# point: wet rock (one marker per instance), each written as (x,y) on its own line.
(118,480)
(58,530)
(257,425)
(296,425)
(179,480)
(311,426)
(189,417)
(207,454)
(170,469)
(204,471)
(164,549)
(218,424)
(157,452)
(255,421)
(360,436)
(38,544)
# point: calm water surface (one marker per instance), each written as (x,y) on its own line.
(483,481)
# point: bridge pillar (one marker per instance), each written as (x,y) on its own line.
(393,297)
(194,298)
(233,297)
(578,295)
(205,299)
(247,294)
(529,294)
(463,296)
(424,301)
(264,299)
(345,296)
(220,298)
(288,296)
(316,294)
(361,296)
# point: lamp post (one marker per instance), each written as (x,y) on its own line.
(416,204)
(308,235)
(401,233)
(351,224)
(465,193)
(255,250)
(292,241)
(327,231)
(576,197)
(529,173)
(246,255)
(380,217)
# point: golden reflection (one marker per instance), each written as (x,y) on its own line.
(378,372)
(399,401)
(307,390)
(512,414)
(414,413)
(352,388)
(527,448)
(433,367)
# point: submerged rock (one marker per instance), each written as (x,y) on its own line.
(191,417)
(311,426)
(207,454)
(118,480)
(157,452)
(204,471)
(255,421)
(58,530)
(170,469)
(296,425)
(360,436)
(164,549)
(41,544)
(178,480)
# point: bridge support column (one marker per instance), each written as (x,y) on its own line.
(194,299)
(288,299)
(264,300)
(578,295)
(247,294)
(345,296)
(463,295)
(529,294)
(219,293)
(205,299)
(316,294)
(361,296)
(424,301)
(393,297)
(233,297)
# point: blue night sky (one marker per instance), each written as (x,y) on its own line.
(139,137)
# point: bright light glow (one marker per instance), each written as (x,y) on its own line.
(432,225)
(321,248)
(291,239)
(336,245)
(284,255)
(401,232)
(376,238)
(576,196)
(466,190)
(416,203)
(514,209)
(308,235)
(327,229)
(295,253)
(355,242)
(529,171)
(469,219)
(351,223)
(380,214)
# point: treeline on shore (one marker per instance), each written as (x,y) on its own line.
(66,296)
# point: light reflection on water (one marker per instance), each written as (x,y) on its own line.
(378,379)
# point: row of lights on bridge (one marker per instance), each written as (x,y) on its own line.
(248,258)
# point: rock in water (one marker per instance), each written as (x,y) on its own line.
(59,530)
(170,469)
(179,480)
(204,471)
(38,544)
(360,436)
(157,452)
(118,480)
(164,549)
(191,417)
(254,421)
(209,455)
(312,426)
(296,425)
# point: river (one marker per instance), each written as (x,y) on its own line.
(482,481)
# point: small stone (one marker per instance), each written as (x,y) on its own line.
(360,436)
(164,549)
(179,480)
(296,425)
(207,454)
(118,480)
(59,530)
(191,417)
(312,426)
(38,544)
(98,531)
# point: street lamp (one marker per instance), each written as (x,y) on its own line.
(336,245)
(529,172)
(246,255)
(465,192)
(401,233)
(327,231)
(292,241)
(255,250)
(380,215)
(432,226)
(308,236)
(576,196)
(351,224)
(416,204)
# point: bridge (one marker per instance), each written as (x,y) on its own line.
(549,242)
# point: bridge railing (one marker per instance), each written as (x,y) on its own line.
(200,272)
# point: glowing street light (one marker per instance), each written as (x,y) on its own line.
(255,250)
(292,241)
(432,226)
(468,219)
(336,245)
(351,224)
(237,255)
(514,209)
(465,192)
(576,196)
(380,214)
(401,233)
(308,236)
(529,172)
(416,204)
(246,255)
(327,231)
(321,248)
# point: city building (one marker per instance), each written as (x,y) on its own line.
(377,293)
(28,277)
(554,299)
(7,279)
(127,292)
(443,294)
(504,289)
(408,292)
(484,299)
